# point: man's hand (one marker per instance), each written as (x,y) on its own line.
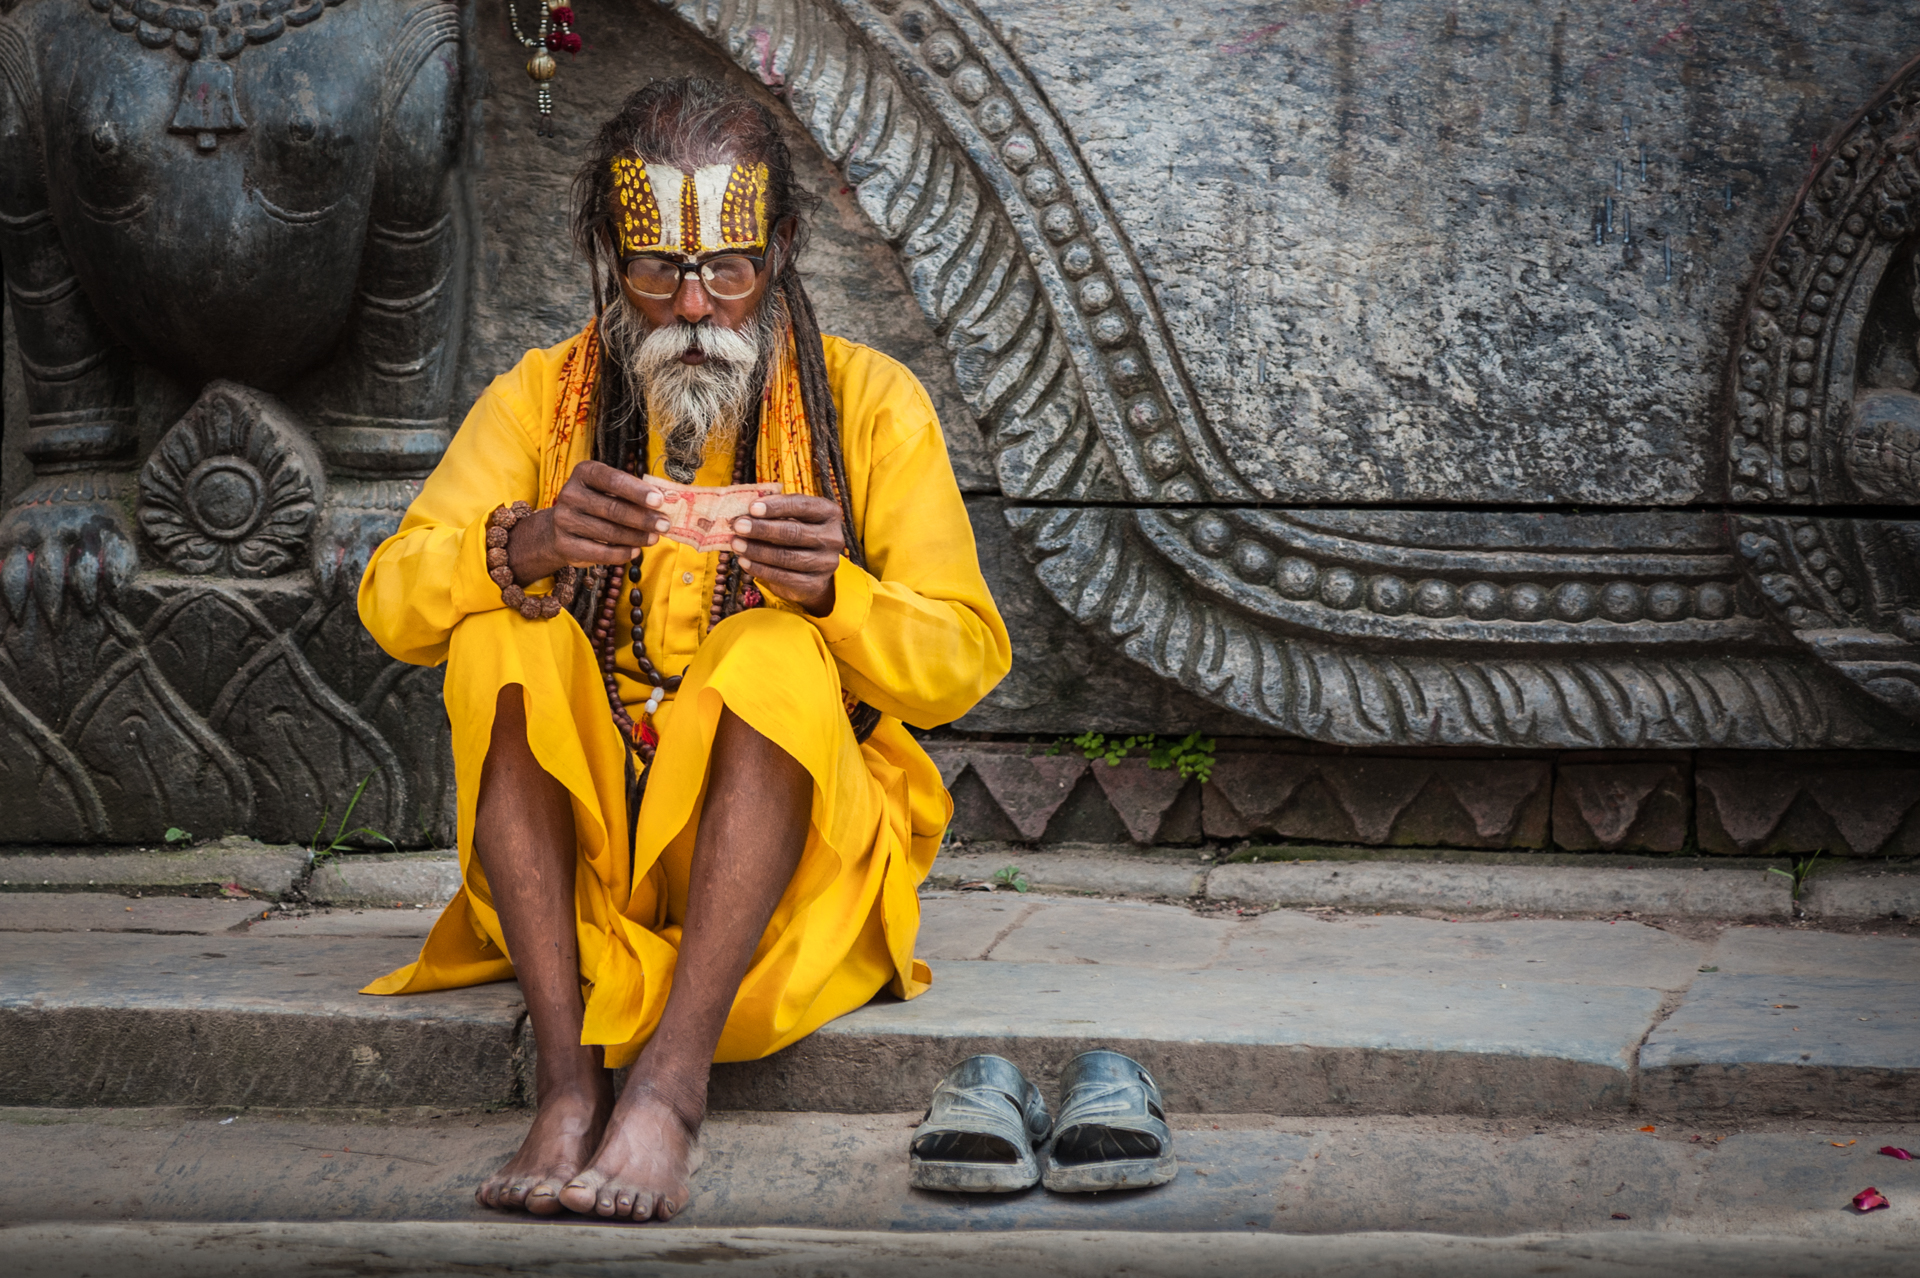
(602,516)
(792,544)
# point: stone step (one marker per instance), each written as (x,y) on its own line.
(1351,878)
(1237,1174)
(1283,1012)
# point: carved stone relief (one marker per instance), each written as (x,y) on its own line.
(1826,418)
(1309,623)
(249,210)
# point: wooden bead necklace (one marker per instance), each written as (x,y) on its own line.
(732,593)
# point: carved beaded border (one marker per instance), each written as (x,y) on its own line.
(1784,370)
(1234,551)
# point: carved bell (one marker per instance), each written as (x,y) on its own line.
(207,106)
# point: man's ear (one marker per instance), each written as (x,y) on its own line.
(783,236)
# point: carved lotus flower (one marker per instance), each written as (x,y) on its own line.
(234,486)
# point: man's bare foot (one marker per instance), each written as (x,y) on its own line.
(641,1169)
(565,1131)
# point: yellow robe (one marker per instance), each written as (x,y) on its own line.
(915,635)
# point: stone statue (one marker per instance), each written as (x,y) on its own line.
(251,204)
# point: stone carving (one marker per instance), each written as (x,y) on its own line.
(233,487)
(250,213)
(1298,621)
(1825,409)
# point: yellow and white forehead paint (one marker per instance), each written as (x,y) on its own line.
(665,209)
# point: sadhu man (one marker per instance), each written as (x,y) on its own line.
(691,822)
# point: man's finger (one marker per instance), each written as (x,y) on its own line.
(787,532)
(618,483)
(581,526)
(578,551)
(808,510)
(792,559)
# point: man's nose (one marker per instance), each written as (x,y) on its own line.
(691,303)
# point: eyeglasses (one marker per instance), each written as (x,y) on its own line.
(730,276)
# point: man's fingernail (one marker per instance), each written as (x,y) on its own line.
(758,508)
(743,525)
(653,496)
(739,546)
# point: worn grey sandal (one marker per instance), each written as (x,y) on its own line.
(980,1131)
(1112,1132)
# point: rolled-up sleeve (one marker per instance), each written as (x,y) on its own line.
(422,580)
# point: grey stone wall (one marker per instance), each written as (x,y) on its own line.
(1488,391)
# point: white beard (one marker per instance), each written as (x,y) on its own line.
(688,402)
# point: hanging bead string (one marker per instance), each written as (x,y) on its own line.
(732,592)
(554,35)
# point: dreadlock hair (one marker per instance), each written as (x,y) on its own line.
(691,122)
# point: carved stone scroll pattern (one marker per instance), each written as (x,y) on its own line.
(1003,236)
(1093,561)
(203,707)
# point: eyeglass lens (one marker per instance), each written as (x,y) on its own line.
(728,277)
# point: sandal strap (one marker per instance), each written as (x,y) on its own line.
(987,1095)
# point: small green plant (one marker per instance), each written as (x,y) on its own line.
(1192,754)
(1009,876)
(1802,870)
(338,843)
(175,834)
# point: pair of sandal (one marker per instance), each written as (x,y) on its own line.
(988,1131)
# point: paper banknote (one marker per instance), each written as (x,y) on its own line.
(703,517)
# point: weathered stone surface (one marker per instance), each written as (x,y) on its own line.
(100,912)
(252,867)
(1376,800)
(1862,894)
(1734,894)
(158,1020)
(1157,805)
(1790,1022)
(1859,805)
(1622,804)
(386,879)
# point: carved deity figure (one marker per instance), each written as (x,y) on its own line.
(241,191)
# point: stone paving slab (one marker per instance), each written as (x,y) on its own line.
(836,1171)
(136,1020)
(1794,1021)
(104,912)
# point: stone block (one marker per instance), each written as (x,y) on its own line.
(1860,895)
(253,867)
(1379,800)
(386,879)
(1733,894)
(1150,800)
(1623,803)
(1028,788)
(1860,804)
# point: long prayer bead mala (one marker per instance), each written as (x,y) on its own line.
(731,593)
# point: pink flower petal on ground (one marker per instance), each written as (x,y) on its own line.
(1870,1199)
(1894,1151)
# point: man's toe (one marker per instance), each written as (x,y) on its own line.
(544,1199)
(577,1196)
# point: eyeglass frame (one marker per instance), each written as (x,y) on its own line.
(695,268)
